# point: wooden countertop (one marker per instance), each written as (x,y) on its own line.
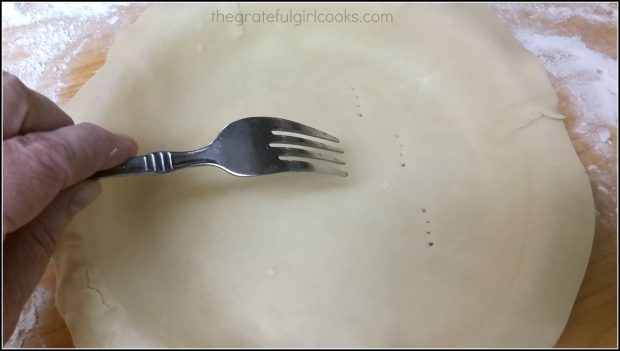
(593,321)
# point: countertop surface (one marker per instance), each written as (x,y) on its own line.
(55,48)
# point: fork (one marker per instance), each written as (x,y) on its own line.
(247,147)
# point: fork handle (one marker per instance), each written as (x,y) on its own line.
(155,163)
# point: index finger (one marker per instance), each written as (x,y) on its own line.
(24,110)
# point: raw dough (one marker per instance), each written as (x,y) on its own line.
(456,142)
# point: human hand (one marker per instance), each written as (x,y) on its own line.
(46,161)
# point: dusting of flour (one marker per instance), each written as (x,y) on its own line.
(46,37)
(29,318)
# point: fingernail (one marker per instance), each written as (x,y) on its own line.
(126,140)
(84,196)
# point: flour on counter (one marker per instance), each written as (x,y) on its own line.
(19,14)
(592,77)
(597,13)
(29,318)
(44,38)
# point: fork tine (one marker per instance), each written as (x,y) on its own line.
(291,152)
(302,166)
(290,140)
(284,125)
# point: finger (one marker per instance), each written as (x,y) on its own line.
(37,166)
(25,111)
(27,252)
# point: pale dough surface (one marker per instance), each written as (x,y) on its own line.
(201,258)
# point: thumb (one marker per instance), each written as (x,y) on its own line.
(26,252)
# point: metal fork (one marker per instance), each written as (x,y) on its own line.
(250,146)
